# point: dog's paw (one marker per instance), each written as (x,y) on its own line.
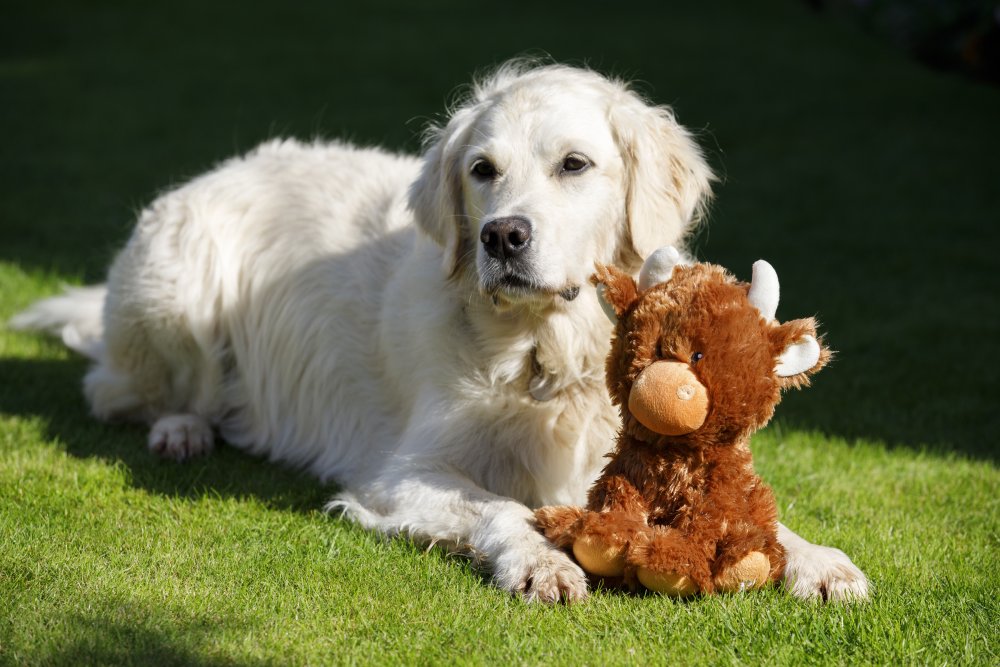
(813,571)
(180,437)
(543,574)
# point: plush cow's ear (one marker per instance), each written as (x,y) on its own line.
(616,290)
(798,357)
(798,351)
(436,195)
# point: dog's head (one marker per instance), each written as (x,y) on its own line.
(545,171)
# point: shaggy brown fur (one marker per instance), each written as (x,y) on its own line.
(691,504)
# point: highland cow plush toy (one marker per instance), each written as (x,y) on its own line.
(697,365)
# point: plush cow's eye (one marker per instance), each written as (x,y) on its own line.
(574,163)
(696,357)
(484,169)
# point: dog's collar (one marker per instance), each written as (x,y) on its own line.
(543,386)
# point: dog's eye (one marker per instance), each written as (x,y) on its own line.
(574,163)
(484,169)
(696,357)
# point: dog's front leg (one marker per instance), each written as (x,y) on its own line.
(445,506)
(815,571)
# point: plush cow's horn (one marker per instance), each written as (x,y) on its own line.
(658,267)
(764,289)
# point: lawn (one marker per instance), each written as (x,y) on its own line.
(869,182)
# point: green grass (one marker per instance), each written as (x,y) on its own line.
(870,184)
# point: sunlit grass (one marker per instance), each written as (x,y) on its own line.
(101,566)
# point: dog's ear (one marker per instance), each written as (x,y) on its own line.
(668,179)
(436,196)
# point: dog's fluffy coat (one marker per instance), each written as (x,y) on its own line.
(333,308)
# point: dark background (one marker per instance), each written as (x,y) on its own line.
(869,180)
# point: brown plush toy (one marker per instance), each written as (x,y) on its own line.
(697,365)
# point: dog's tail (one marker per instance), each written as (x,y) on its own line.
(75,316)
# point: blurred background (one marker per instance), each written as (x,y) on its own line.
(857,143)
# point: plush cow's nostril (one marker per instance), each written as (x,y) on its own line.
(685,392)
(506,237)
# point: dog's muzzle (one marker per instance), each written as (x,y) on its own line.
(507,241)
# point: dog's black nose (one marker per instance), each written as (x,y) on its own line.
(506,237)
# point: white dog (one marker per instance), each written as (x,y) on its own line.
(421,331)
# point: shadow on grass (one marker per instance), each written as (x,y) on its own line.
(49,390)
(125,634)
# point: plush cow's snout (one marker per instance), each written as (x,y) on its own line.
(668,399)
(506,238)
